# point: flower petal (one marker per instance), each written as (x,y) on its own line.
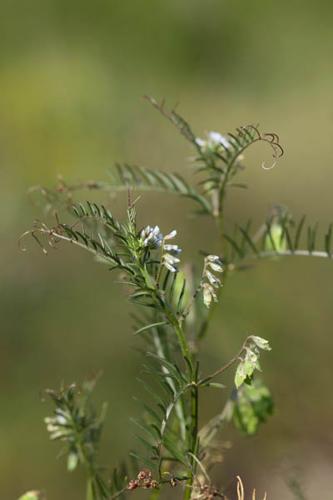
(170,235)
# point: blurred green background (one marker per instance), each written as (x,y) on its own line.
(72,77)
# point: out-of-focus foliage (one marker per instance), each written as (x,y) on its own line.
(76,424)
(32,495)
(252,406)
(249,362)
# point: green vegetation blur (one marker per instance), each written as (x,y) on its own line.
(72,77)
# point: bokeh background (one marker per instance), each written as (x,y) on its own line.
(72,77)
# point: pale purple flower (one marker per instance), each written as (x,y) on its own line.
(151,237)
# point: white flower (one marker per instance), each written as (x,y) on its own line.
(201,143)
(217,139)
(216,267)
(171,258)
(213,258)
(151,237)
(208,294)
(170,262)
(61,420)
(214,262)
(170,252)
(170,235)
(172,248)
(214,142)
(213,280)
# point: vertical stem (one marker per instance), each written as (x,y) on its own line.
(180,334)
(179,404)
(219,218)
(193,436)
(90,492)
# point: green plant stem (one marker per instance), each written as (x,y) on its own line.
(92,474)
(184,347)
(193,438)
(219,219)
(90,492)
(180,411)
(226,366)
(89,463)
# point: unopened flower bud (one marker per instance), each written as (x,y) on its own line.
(133,484)
(154,484)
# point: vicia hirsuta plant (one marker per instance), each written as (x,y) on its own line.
(174,309)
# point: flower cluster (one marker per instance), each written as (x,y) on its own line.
(170,252)
(57,425)
(63,426)
(214,142)
(209,282)
(151,237)
(144,480)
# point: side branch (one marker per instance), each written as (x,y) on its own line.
(226,366)
(285,253)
